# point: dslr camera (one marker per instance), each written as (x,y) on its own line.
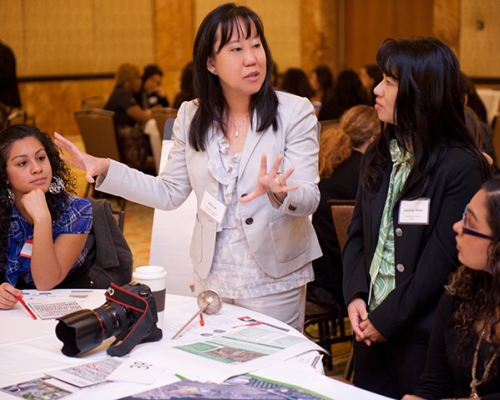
(129,314)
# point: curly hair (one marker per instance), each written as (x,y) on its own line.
(127,72)
(357,125)
(59,168)
(477,291)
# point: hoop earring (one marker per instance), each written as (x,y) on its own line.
(56,185)
(10,197)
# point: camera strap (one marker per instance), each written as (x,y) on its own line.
(143,316)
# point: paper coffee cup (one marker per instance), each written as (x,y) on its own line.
(156,278)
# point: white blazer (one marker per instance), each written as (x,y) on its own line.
(281,236)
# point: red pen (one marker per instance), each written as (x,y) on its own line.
(20,299)
(202,322)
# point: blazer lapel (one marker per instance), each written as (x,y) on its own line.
(251,141)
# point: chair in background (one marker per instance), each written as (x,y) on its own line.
(330,321)
(17,116)
(328,123)
(97,129)
(97,102)
(161,115)
(342,215)
(495,125)
(119,216)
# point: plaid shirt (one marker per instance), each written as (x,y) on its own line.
(76,218)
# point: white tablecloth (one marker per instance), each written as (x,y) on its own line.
(29,349)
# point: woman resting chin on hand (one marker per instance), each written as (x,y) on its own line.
(43,229)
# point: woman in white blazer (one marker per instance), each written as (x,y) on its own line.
(253,241)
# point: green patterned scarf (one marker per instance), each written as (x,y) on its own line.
(382,271)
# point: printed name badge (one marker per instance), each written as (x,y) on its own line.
(213,207)
(414,212)
(27,249)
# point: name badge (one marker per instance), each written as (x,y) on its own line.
(414,212)
(213,207)
(27,249)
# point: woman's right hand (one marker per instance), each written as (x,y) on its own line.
(8,295)
(94,166)
(357,313)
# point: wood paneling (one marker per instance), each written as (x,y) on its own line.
(369,22)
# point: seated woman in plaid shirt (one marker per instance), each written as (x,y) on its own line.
(43,229)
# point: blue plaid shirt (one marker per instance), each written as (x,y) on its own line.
(76,218)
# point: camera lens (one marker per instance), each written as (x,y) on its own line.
(83,330)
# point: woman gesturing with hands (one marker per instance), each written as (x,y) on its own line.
(256,249)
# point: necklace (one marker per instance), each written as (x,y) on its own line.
(475,383)
(237,128)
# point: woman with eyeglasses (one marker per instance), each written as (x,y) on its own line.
(463,358)
(416,179)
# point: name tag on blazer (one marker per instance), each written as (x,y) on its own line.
(213,207)
(414,212)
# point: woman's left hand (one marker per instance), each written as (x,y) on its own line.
(370,332)
(271,181)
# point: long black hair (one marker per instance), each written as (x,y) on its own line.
(429,109)
(8,137)
(211,101)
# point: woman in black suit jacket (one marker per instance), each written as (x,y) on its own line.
(415,181)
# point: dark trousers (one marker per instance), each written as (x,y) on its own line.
(391,369)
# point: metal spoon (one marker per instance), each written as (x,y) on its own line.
(209,302)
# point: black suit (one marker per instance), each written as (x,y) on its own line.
(425,255)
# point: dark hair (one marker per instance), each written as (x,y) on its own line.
(478,290)
(211,101)
(325,81)
(187,92)
(348,92)
(375,73)
(150,70)
(295,81)
(8,137)
(473,100)
(428,110)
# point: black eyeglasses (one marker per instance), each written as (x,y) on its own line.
(472,232)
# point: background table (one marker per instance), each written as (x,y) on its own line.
(29,349)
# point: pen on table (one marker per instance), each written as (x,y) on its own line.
(20,299)
(202,321)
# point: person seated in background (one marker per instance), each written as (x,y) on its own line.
(348,92)
(321,80)
(370,76)
(462,360)
(9,91)
(122,101)
(340,153)
(476,105)
(129,117)
(151,93)
(186,92)
(295,81)
(44,227)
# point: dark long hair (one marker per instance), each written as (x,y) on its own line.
(429,109)
(211,102)
(478,290)
(59,168)
(325,81)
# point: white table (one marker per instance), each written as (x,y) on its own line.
(29,349)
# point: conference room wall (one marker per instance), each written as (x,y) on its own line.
(301,33)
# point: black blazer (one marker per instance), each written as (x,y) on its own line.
(425,255)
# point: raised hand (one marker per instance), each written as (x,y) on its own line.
(271,181)
(92,165)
